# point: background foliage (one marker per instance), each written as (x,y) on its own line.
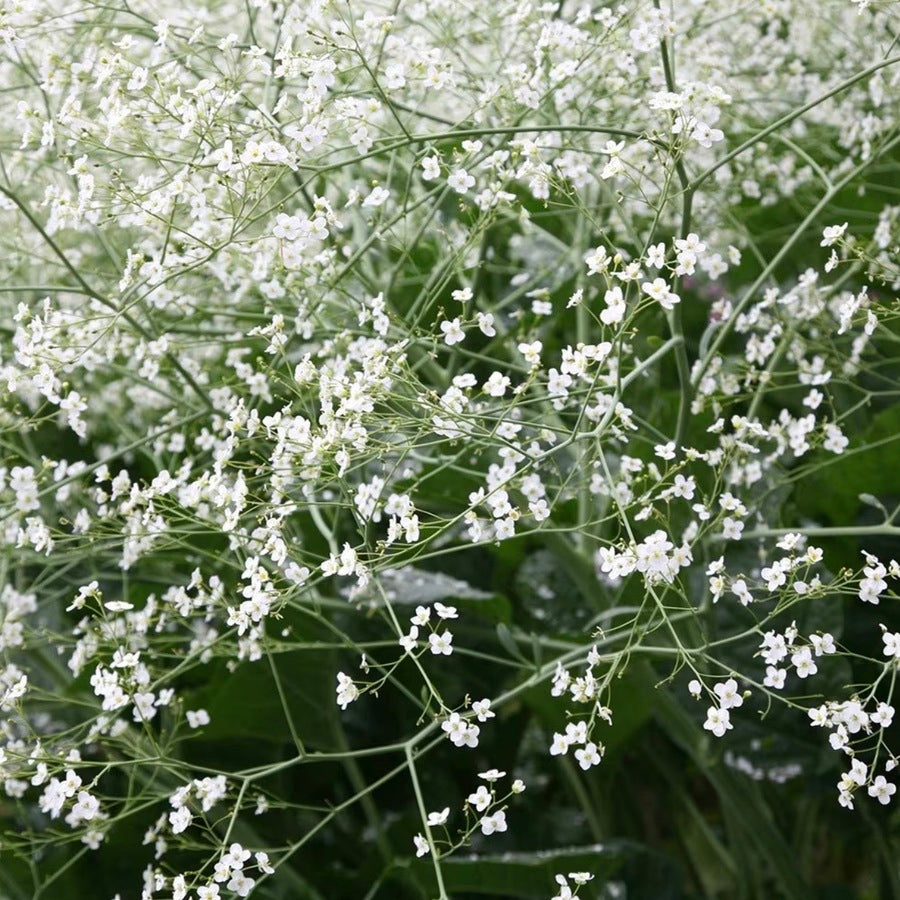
(236,238)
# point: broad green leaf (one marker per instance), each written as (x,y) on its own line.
(411,586)
(750,818)
(532,875)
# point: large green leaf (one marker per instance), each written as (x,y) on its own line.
(527,875)
(411,586)
(303,690)
(748,818)
(869,466)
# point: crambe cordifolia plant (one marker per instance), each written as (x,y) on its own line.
(449,449)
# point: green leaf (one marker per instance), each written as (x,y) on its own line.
(507,641)
(527,875)
(748,816)
(307,681)
(867,469)
(410,586)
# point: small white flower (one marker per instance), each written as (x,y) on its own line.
(431,168)
(438,818)
(378,197)
(883,716)
(615,307)
(180,819)
(803,662)
(531,352)
(597,260)
(460,181)
(891,644)
(729,696)
(480,799)
(453,332)
(832,234)
(440,644)
(486,324)
(197,718)
(717,721)
(408,641)
(659,290)
(882,789)
(588,756)
(496,822)
(656,255)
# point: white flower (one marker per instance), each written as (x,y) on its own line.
(486,324)
(460,732)
(588,756)
(882,789)
(665,451)
(823,644)
(858,772)
(717,721)
(431,168)
(496,385)
(241,884)
(438,818)
(659,290)
(180,819)
(615,307)
(378,197)
(347,691)
(460,181)
(453,332)
(481,799)
(496,822)
(597,260)
(482,710)
(729,696)
(440,644)
(197,718)
(421,845)
(803,662)
(262,860)
(883,715)
(706,136)
(656,255)
(832,234)
(891,644)
(179,887)
(531,352)
(408,641)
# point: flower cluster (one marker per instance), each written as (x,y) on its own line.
(359,362)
